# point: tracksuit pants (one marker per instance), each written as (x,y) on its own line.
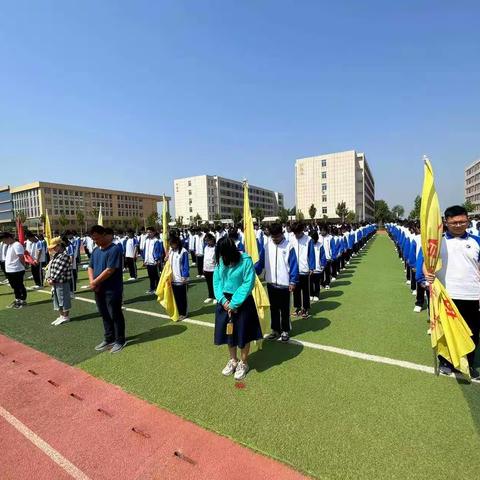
(279,308)
(301,294)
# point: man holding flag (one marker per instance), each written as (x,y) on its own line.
(460,274)
(453,260)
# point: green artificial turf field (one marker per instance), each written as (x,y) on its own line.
(328,415)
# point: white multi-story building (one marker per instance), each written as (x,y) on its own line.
(214,197)
(326,180)
(472,185)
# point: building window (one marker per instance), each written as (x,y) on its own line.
(189,192)
(324,187)
(324,210)
(324,163)
(324,198)
(324,174)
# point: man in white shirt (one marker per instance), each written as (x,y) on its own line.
(15,270)
(460,274)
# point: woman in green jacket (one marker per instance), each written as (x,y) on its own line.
(236,317)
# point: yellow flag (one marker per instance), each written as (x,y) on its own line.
(259,294)
(450,334)
(100,217)
(164,292)
(48,229)
(165,226)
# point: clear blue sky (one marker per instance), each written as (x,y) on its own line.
(130,95)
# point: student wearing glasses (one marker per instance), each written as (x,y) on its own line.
(460,274)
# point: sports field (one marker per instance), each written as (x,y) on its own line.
(330,414)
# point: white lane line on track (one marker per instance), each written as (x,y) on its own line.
(315,346)
(47,449)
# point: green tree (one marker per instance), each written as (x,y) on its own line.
(300,216)
(236,215)
(382,211)
(197,218)
(258,214)
(21,216)
(217,218)
(135,223)
(293,211)
(80,219)
(469,206)
(152,219)
(312,211)
(351,217)
(342,211)
(63,220)
(179,221)
(417,205)
(282,215)
(398,211)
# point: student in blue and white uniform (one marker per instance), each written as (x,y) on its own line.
(320,264)
(192,244)
(178,257)
(72,254)
(460,274)
(199,247)
(209,264)
(279,260)
(153,255)
(306,263)
(131,253)
(35,251)
(327,246)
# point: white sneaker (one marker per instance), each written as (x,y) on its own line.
(62,320)
(327,287)
(429,331)
(199,276)
(333,279)
(214,301)
(207,300)
(414,292)
(56,320)
(241,371)
(30,277)
(315,299)
(417,309)
(230,367)
(84,287)
(131,279)
(311,299)
(408,282)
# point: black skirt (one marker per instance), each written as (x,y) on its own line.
(246,325)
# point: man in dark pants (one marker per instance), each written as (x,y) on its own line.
(460,274)
(106,280)
(15,270)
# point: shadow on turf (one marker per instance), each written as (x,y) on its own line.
(273,353)
(310,324)
(156,333)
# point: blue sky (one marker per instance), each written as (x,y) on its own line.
(131,95)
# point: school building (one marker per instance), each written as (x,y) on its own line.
(327,180)
(213,197)
(75,207)
(472,185)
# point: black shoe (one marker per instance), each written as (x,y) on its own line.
(474,373)
(284,337)
(273,335)
(444,369)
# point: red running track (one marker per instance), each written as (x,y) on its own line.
(105,432)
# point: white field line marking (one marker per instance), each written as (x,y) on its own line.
(316,346)
(58,458)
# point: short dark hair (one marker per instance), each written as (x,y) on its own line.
(298,227)
(97,229)
(152,229)
(314,236)
(275,229)
(227,250)
(7,235)
(173,238)
(109,231)
(455,211)
(209,236)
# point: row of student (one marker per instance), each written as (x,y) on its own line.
(459,273)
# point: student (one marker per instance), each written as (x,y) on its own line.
(15,270)
(71,250)
(131,253)
(460,275)
(106,280)
(279,260)
(191,245)
(35,250)
(153,254)
(3,252)
(236,238)
(209,264)
(236,317)
(306,263)
(59,276)
(327,246)
(320,264)
(178,257)
(199,247)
